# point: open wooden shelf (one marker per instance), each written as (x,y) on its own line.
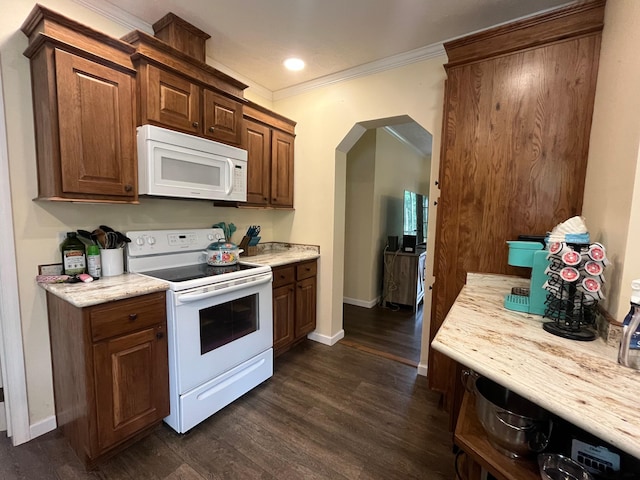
(471,437)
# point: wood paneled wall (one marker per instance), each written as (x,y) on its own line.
(517,120)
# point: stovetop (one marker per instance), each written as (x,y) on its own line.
(192,272)
(179,258)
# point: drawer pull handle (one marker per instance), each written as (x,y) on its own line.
(159,335)
(133,317)
(195,124)
(211,129)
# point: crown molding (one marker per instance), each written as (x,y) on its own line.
(395,61)
(255,87)
(119,16)
(116,14)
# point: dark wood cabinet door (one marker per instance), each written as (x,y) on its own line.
(131,382)
(257,142)
(305,306)
(281,169)
(283,316)
(96,107)
(172,101)
(222,118)
(516,127)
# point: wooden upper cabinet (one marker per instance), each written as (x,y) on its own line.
(282,169)
(222,118)
(95,115)
(515,141)
(258,146)
(84,100)
(170,100)
(269,140)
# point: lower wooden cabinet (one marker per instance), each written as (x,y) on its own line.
(294,304)
(110,372)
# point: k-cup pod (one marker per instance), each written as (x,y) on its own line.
(597,252)
(557,249)
(569,274)
(591,285)
(571,258)
(593,268)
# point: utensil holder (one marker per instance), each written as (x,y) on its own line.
(112,260)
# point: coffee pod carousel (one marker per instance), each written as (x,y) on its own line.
(574,281)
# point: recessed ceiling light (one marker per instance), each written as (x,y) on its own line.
(294,64)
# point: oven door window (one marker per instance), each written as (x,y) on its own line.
(224,323)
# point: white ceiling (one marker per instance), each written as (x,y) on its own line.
(253,37)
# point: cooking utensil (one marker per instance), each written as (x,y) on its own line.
(222,253)
(515,426)
(86,235)
(558,467)
(100,237)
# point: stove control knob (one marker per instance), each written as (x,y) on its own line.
(140,241)
(151,240)
(211,237)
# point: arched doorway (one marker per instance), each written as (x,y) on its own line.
(383,143)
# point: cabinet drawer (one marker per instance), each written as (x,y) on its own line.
(128,315)
(283,276)
(306,270)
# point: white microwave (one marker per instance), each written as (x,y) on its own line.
(174,164)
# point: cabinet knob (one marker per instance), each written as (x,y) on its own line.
(195,124)
(265,199)
(211,129)
(160,335)
(133,317)
(274,199)
(128,188)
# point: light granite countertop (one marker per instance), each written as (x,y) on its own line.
(106,289)
(275,254)
(578,381)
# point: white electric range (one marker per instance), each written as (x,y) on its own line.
(219,321)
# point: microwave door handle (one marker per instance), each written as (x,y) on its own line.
(230,178)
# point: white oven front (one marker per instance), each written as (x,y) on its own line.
(220,345)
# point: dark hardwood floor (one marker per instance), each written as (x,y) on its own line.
(327,413)
(391,332)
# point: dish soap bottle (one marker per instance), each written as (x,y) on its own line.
(73,255)
(629,353)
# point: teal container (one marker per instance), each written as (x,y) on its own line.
(521,252)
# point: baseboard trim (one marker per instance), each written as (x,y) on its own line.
(361,303)
(43,426)
(325,339)
(422,369)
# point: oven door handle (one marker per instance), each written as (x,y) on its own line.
(194,297)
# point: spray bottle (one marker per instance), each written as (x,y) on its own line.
(629,353)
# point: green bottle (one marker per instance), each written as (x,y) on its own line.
(73,255)
(94,267)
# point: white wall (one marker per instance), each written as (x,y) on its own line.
(359,214)
(612,188)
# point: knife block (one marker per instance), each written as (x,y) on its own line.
(244,245)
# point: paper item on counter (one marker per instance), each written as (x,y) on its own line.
(572,230)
